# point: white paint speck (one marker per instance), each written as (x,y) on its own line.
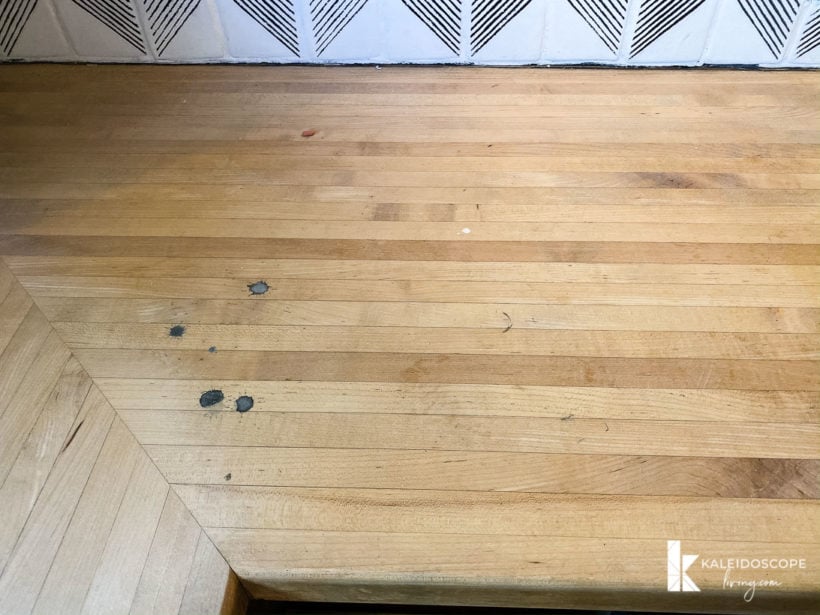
(466,231)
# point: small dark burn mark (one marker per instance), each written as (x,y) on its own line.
(258,288)
(606,427)
(212,349)
(176,331)
(490,145)
(211,398)
(244,403)
(72,436)
(534,561)
(510,325)
(228,476)
(568,417)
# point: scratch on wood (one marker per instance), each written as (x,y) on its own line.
(72,436)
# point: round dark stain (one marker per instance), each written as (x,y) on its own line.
(211,398)
(244,403)
(258,288)
(176,331)
(228,476)
(212,349)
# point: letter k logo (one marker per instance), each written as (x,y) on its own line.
(676,567)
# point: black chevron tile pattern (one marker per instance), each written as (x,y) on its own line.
(605,17)
(166,18)
(13,17)
(330,17)
(657,17)
(275,16)
(773,20)
(810,40)
(490,17)
(119,16)
(442,17)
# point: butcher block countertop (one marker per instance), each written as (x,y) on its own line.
(442,335)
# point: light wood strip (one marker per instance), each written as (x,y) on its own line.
(425,340)
(165,575)
(204,130)
(661,232)
(523,514)
(77,559)
(13,310)
(212,586)
(502,434)
(6,284)
(41,539)
(485,472)
(316,269)
(156,103)
(674,192)
(114,584)
(20,412)
(20,353)
(276,162)
(418,314)
(540,211)
(470,400)
(281,110)
(43,445)
(453,369)
(529,293)
(491,178)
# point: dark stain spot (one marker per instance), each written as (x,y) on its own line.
(212,349)
(258,288)
(534,561)
(211,398)
(228,476)
(568,417)
(73,435)
(509,320)
(176,331)
(244,403)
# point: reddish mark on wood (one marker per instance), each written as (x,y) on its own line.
(308,133)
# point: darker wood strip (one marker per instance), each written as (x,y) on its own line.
(329,147)
(414,250)
(456,369)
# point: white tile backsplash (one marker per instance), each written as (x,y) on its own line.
(415,31)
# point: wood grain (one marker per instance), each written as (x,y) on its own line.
(81,499)
(487,471)
(521,328)
(451,433)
